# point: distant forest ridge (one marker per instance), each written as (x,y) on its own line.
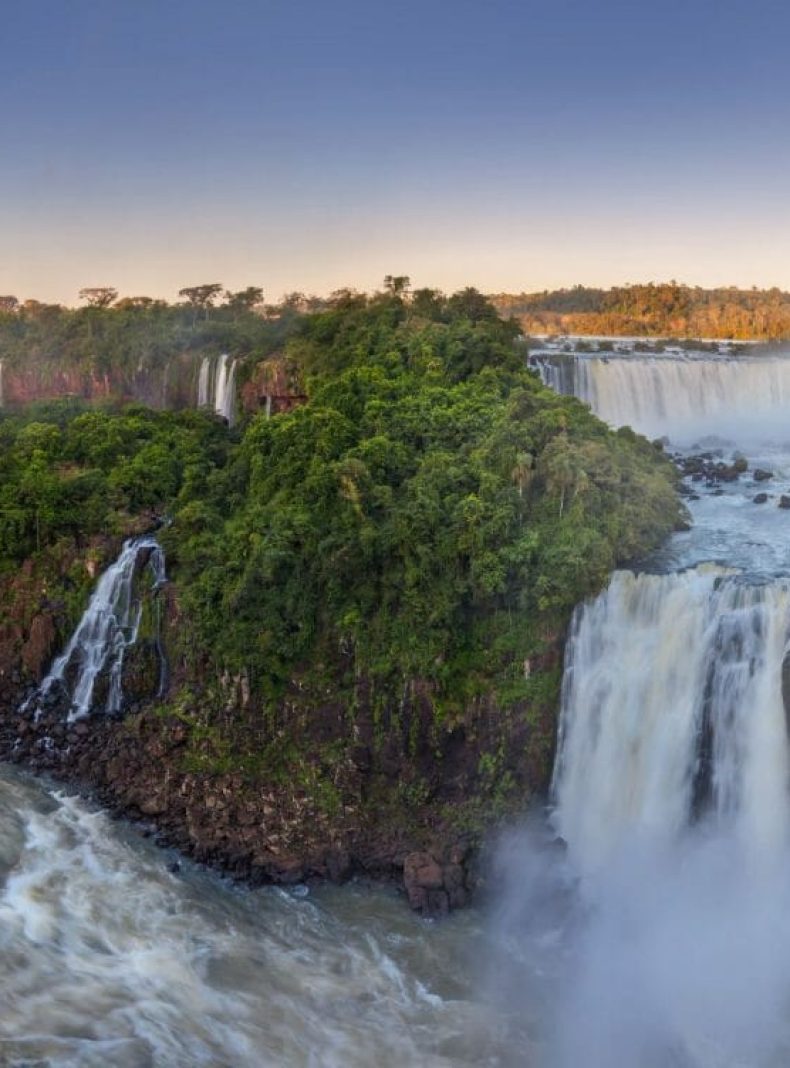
(662,310)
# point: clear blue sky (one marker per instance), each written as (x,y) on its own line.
(509,144)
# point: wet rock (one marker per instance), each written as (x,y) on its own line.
(761,475)
(760,498)
(784,501)
(433,888)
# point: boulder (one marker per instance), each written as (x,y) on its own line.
(760,498)
(434,888)
(784,501)
(761,475)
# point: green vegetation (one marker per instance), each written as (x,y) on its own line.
(127,344)
(68,471)
(669,310)
(433,512)
(388,567)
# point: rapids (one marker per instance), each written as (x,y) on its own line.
(109,959)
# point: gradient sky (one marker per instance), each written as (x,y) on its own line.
(511,144)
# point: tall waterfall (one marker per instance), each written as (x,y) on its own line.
(671,705)
(203,382)
(676,395)
(109,625)
(225,388)
(217,385)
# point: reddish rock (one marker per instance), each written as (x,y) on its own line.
(273,387)
(39,647)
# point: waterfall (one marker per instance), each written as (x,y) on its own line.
(1,384)
(108,627)
(218,392)
(203,383)
(225,387)
(676,394)
(671,705)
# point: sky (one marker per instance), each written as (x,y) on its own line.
(313,144)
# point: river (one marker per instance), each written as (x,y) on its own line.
(656,935)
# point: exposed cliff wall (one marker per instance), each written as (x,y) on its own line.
(170,384)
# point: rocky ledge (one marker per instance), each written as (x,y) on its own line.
(261,835)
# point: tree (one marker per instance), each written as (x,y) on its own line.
(428,303)
(8,305)
(295,300)
(137,302)
(244,299)
(201,296)
(397,284)
(471,304)
(99,296)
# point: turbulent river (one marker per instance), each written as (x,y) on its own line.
(654,932)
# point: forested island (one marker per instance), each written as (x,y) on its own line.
(370,572)
(668,310)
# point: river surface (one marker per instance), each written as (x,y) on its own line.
(654,934)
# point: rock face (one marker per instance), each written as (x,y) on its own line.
(273,387)
(171,383)
(433,886)
(39,648)
(257,831)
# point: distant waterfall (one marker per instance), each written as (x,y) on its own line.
(677,395)
(224,390)
(203,382)
(108,627)
(672,703)
(217,385)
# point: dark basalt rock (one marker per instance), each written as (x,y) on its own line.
(760,498)
(706,466)
(761,475)
(784,501)
(432,887)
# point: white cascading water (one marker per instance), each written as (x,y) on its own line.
(673,688)
(225,388)
(677,395)
(108,627)
(203,382)
(656,932)
(218,391)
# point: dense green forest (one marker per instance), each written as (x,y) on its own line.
(431,508)
(134,334)
(668,310)
(423,521)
